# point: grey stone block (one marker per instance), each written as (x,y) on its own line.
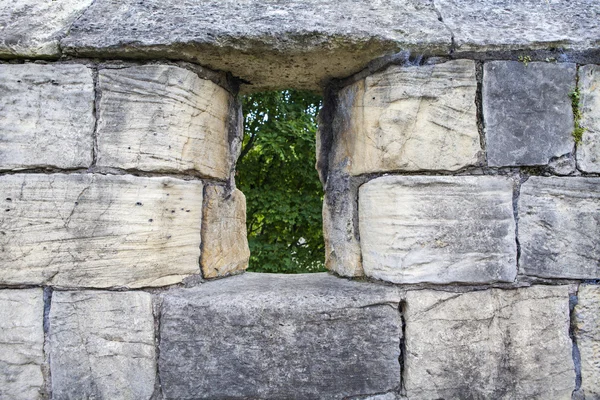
(274,336)
(438,229)
(588,151)
(33,28)
(342,246)
(289,43)
(559,227)
(46,116)
(483,25)
(587,335)
(491,344)
(102,345)
(21,344)
(527,112)
(163,118)
(90,230)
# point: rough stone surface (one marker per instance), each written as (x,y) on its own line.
(340,224)
(102,345)
(491,344)
(527,111)
(438,229)
(21,344)
(87,230)
(563,166)
(528,24)
(224,240)
(162,118)
(414,118)
(342,246)
(588,151)
(587,335)
(559,227)
(290,43)
(274,336)
(33,28)
(46,116)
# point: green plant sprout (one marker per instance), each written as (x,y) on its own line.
(578,130)
(525,59)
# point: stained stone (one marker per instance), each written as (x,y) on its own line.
(587,334)
(90,230)
(272,336)
(33,28)
(46,116)
(342,246)
(283,44)
(163,118)
(484,25)
(438,229)
(414,118)
(559,227)
(527,111)
(588,151)
(490,344)
(21,344)
(102,345)
(224,240)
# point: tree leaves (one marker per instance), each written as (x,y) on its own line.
(276,173)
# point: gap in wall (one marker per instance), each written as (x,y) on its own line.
(276,172)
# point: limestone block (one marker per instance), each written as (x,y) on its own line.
(414,118)
(484,25)
(438,229)
(224,239)
(559,227)
(527,111)
(46,116)
(102,345)
(88,230)
(163,118)
(21,344)
(273,336)
(491,344)
(33,28)
(587,334)
(282,44)
(588,151)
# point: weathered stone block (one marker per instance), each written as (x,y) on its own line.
(527,111)
(480,25)
(87,230)
(224,240)
(33,28)
(438,229)
(491,344)
(163,118)
(587,335)
(559,227)
(46,116)
(21,344)
(588,151)
(291,43)
(300,336)
(342,247)
(102,345)
(414,118)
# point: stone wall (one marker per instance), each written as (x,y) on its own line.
(459,149)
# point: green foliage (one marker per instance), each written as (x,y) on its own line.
(578,130)
(525,59)
(276,173)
